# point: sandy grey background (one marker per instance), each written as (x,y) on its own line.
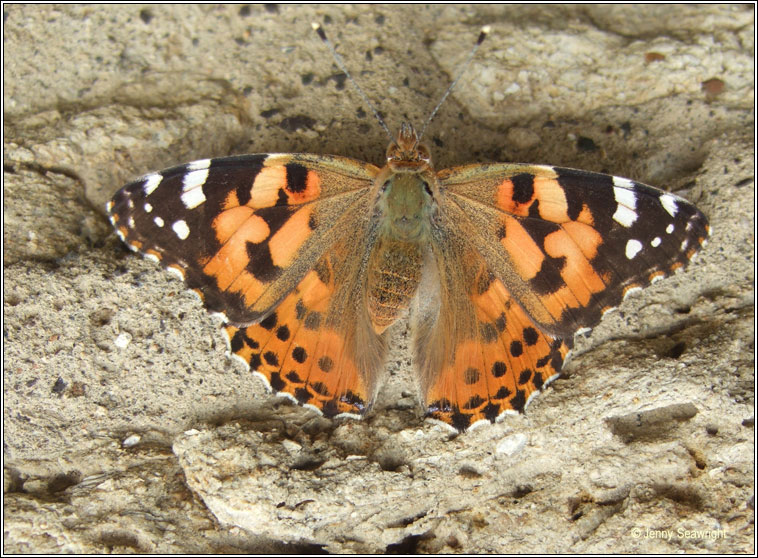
(126,427)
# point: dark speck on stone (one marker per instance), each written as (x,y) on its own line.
(586,144)
(59,386)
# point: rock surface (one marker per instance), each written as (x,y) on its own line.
(128,429)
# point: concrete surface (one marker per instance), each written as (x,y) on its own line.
(127,429)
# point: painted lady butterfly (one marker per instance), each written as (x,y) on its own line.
(312,257)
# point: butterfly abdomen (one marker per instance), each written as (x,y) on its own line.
(393,277)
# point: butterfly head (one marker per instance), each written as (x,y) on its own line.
(406,154)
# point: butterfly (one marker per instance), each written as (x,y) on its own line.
(311,258)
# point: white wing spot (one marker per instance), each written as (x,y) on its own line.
(181,229)
(670,228)
(159,222)
(151,183)
(200,164)
(109,206)
(632,248)
(627,202)
(148,208)
(131,222)
(152,258)
(622,183)
(655,242)
(192,188)
(685,242)
(669,204)
(625,216)
(625,196)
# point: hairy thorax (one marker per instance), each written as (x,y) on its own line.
(395,265)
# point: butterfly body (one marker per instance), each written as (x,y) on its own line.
(405,212)
(311,258)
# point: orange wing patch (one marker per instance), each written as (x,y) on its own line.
(526,255)
(275,180)
(285,244)
(558,256)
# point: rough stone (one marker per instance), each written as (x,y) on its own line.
(161,445)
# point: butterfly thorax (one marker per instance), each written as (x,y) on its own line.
(404,210)
(407,186)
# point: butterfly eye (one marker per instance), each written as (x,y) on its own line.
(423,153)
(393,152)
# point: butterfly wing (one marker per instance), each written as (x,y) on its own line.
(478,353)
(546,252)
(276,244)
(570,244)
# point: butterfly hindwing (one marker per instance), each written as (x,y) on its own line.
(317,346)
(479,354)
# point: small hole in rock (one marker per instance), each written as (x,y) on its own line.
(677,350)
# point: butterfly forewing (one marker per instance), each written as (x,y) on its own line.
(569,244)
(242,231)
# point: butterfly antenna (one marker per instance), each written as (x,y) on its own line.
(338,59)
(482,35)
